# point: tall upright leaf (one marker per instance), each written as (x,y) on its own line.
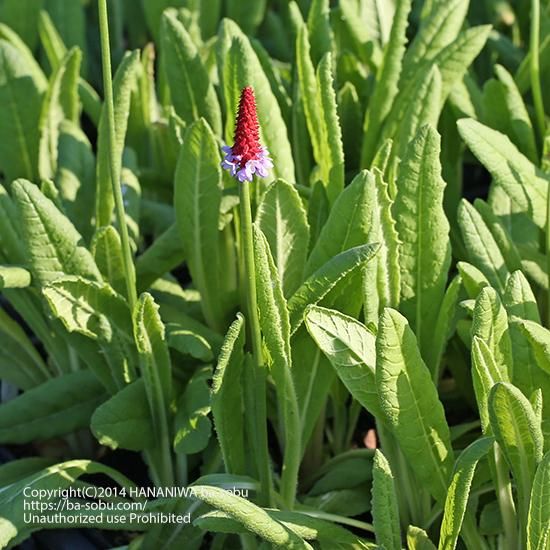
(538,521)
(423,229)
(197,198)
(192,94)
(409,400)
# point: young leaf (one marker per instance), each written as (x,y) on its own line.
(107,251)
(192,94)
(417,539)
(423,229)
(459,491)
(350,348)
(226,399)
(282,219)
(56,407)
(411,405)
(14,277)
(384,504)
(197,198)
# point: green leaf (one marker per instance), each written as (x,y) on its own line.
(252,517)
(523,182)
(192,425)
(472,278)
(226,399)
(481,246)
(409,400)
(459,491)
(350,348)
(248,16)
(21,100)
(282,219)
(56,407)
(53,244)
(107,251)
(69,19)
(192,94)
(387,80)
(384,504)
(424,231)
(519,435)
(539,340)
(189,343)
(155,363)
(60,103)
(197,198)
(275,326)
(381,277)
(417,539)
(124,420)
(318,23)
(538,521)
(14,277)
(490,324)
(242,68)
(322,281)
(22,17)
(123,83)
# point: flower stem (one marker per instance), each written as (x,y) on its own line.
(258,378)
(129,270)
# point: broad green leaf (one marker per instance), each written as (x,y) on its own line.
(192,94)
(242,68)
(384,504)
(275,326)
(20,363)
(14,277)
(56,407)
(197,198)
(21,101)
(53,245)
(107,251)
(411,405)
(60,103)
(524,183)
(387,79)
(124,81)
(226,399)
(22,16)
(248,16)
(350,348)
(538,521)
(69,19)
(191,422)
(381,277)
(17,469)
(165,254)
(322,281)
(423,229)
(155,364)
(459,491)
(282,219)
(490,324)
(253,518)
(481,246)
(519,436)
(485,374)
(472,278)
(124,420)
(189,343)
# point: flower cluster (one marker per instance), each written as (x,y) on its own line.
(247,157)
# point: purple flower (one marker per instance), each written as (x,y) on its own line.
(260,165)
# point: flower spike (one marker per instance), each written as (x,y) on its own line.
(247,157)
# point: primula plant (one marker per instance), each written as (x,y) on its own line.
(274,274)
